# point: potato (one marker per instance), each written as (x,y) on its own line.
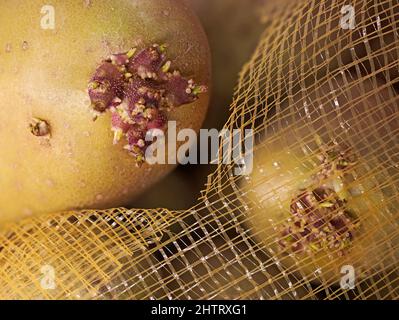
(324,185)
(53,155)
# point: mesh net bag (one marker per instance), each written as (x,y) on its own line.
(320,95)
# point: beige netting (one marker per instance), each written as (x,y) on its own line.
(321,100)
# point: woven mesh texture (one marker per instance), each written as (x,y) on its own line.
(323,193)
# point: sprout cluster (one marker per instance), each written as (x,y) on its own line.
(320,217)
(139,88)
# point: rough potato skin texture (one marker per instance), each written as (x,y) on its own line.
(44,74)
(280,170)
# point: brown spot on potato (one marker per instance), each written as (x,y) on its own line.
(39,127)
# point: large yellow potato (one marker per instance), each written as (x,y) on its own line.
(324,185)
(69,160)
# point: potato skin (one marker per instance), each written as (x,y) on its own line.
(45,73)
(370,126)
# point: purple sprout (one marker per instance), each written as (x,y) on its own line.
(138,89)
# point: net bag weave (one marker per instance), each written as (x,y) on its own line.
(321,100)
